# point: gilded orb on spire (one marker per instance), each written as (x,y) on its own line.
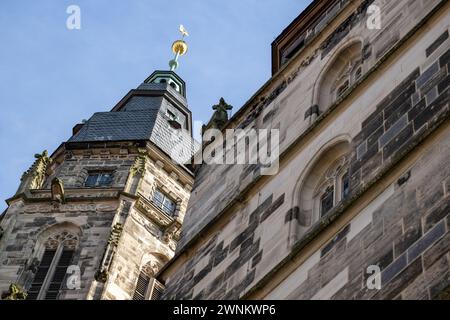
(179,48)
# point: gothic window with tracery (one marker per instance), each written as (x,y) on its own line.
(51,272)
(344,71)
(332,188)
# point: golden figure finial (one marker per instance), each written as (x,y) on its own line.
(179,47)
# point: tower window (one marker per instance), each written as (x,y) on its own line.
(171,115)
(98,179)
(162,201)
(163,81)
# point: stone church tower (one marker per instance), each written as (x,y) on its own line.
(359,208)
(98,217)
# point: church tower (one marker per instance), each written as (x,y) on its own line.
(101,215)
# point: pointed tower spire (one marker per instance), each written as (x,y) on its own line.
(179,48)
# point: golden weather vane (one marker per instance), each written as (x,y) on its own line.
(179,47)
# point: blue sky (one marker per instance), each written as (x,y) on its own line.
(51,77)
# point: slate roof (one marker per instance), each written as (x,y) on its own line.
(117,126)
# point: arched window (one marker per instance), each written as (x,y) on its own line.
(58,248)
(325,184)
(344,71)
(332,188)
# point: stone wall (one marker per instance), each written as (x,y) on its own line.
(405,231)
(286,102)
(253,222)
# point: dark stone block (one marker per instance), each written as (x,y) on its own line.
(14,247)
(404,89)
(202,273)
(407,239)
(273,207)
(433,82)
(249,252)
(417,109)
(244,257)
(393,269)
(219,293)
(249,169)
(401,281)
(245,283)
(217,282)
(269,115)
(405,95)
(437,43)
(395,144)
(444,84)
(199,296)
(373,139)
(254,216)
(445,58)
(371,124)
(442,286)
(426,241)
(292,214)
(341,235)
(246,244)
(427,74)
(431,95)
(396,114)
(361,150)
(257,259)
(436,251)
(430,111)
(38,222)
(404,178)
(437,214)
(371,152)
(393,131)
(370,167)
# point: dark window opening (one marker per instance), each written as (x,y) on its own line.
(327,201)
(59,274)
(141,287)
(41,274)
(163,81)
(157,292)
(98,179)
(345,185)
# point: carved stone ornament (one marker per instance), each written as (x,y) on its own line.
(138,166)
(15,292)
(34,177)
